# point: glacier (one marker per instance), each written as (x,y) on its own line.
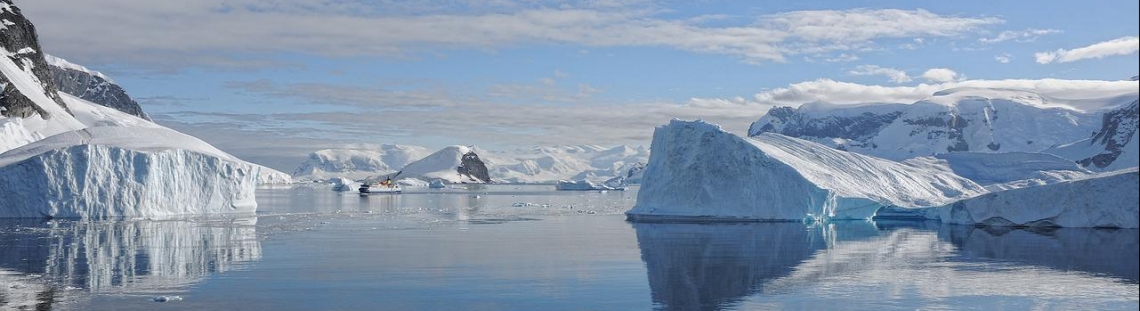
(699,171)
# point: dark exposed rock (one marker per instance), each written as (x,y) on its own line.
(18,38)
(858,127)
(474,168)
(1116,130)
(95,88)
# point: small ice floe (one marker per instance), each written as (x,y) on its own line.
(167,298)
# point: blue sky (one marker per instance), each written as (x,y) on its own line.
(272,80)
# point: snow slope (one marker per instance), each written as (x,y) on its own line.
(1104,200)
(358,163)
(698,170)
(1001,171)
(962,119)
(1112,147)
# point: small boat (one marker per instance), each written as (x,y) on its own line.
(385,187)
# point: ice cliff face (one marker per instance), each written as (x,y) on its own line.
(957,120)
(117,171)
(92,86)
(696,170)
(1111,147)
(19,43)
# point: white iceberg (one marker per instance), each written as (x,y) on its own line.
(1103,200)
(342,184)
(697,170)
(436,184)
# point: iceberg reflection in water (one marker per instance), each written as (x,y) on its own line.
(43,263)
(885,266)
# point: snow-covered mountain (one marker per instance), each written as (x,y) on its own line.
(92,86)
(62,156)
(963,119)
(453,164)
(1112,147)
(358,163)
(549,164)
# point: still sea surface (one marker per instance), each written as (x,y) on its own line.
(509,247)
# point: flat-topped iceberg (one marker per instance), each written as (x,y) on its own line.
(697,170)
(111,171)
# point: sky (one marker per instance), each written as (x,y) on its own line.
(271,80)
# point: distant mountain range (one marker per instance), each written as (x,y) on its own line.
(536,165)
(973,120)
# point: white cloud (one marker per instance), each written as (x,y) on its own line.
(837,92)
(1028,35)
(842,58)
(1119,46)
(895,75)
(940,75)
(1003,58)
(181,33)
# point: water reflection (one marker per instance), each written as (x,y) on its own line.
(44,262)
(904,265)
(1109,252)
(708,266)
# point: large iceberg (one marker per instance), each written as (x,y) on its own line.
(697,170)
(111,171)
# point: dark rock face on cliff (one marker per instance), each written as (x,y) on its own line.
(1117,130)
(21,46)
(857,125)
(92,86)
(473,167)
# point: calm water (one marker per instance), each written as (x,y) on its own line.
(532,248)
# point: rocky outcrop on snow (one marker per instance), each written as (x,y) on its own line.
(841,126)
(92,86)
(698,171)
(20,45)
(1111,147)
(471,166)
